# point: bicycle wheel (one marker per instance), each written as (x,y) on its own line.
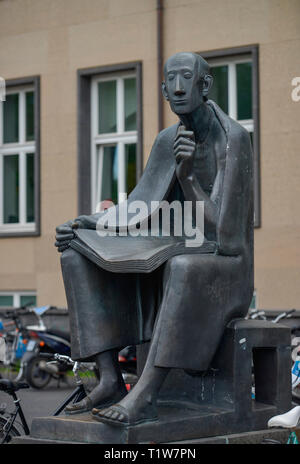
(13,431)
(34,375)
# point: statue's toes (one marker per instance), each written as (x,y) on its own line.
(113,415)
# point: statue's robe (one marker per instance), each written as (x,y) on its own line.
(191,297)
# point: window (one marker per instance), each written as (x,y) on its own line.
(109,134)
(17,299)
(114,137)
(18,159)
(232,88)
(235,90)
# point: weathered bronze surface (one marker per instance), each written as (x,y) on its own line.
(182,303)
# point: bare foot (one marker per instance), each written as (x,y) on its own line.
(132,410)
(104,394)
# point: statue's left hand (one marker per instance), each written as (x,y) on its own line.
(65,232)
(184,150)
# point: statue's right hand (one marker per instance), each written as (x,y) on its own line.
(64,234)
(184,151)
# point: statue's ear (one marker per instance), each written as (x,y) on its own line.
(207,84)
(164,90)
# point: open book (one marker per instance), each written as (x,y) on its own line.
(124,254)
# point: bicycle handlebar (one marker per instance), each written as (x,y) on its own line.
(283,315)
(63,358)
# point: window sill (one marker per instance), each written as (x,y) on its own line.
(16,230)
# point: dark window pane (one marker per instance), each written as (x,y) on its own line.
(244,90)
(107,107)
(219,90)
(130,104)
(28,299)
(109,169)
(29,116)
(6,300)
(11,119)
(11,188)
(30,187)
(130,153)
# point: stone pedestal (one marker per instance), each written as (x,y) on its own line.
(215,403)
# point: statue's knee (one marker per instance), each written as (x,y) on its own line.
(192,264)
(178,263)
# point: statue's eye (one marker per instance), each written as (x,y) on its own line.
(171,77)
(187,75)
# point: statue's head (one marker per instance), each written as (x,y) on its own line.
(187,82)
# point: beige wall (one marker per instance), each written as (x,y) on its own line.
(54,38)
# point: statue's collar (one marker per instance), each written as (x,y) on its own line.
(222,117)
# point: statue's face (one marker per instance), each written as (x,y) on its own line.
(182,87)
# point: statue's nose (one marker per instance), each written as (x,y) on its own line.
(179,89)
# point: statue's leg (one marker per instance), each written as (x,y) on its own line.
(94,304)
(193,309)
(140,404)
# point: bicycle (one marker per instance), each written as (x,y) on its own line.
(24,342)
(261,314)
(15,335)
(8,427)
(7,420)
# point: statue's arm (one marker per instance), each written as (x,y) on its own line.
(193,192)
(236,205)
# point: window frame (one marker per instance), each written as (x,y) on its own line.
(120,138)
(250,52)
(22,148)
(85,146)
(17,296)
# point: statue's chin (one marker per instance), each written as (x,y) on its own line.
(180,112)
(184,111)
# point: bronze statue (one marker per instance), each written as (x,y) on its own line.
(184,304)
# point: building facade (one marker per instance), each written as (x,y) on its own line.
(83,107)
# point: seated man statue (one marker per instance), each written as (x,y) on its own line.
(184,304)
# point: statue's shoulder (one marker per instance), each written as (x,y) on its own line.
(234,130)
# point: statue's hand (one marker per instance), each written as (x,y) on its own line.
(184,150)
(64,234)
(87,222)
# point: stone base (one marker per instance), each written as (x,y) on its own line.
(215,403)
(176,423)
(246,438)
